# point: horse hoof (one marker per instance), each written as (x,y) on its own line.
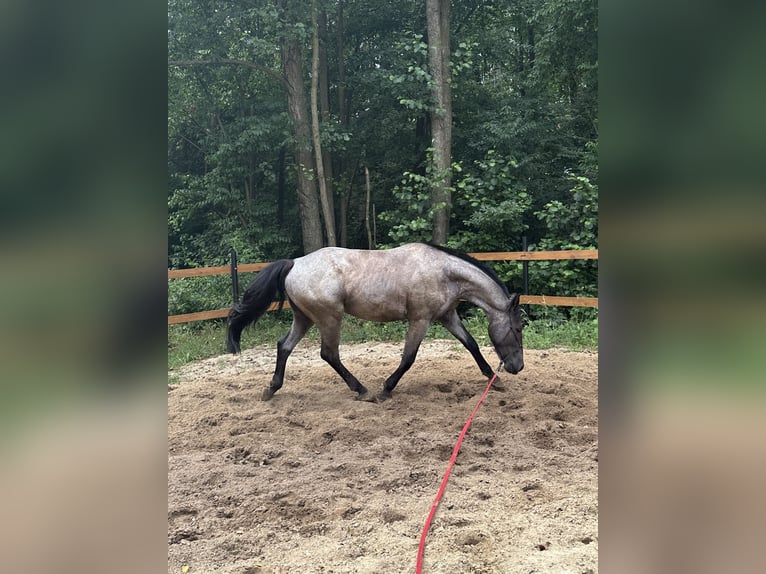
(382,396)
(367,397)
(267,394)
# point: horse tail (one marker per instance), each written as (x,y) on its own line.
(259,295)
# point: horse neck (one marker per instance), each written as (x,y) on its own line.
(479,289)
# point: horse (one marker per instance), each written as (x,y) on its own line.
(417,282)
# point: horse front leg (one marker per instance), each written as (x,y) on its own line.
(452,323)
(415,333)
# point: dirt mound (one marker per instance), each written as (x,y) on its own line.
(313,481)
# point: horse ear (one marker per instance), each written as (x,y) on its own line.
(514,301)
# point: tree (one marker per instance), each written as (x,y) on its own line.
(438,19)
(292,67)
(324,197)
(290,77)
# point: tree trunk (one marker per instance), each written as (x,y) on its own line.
(345,203)
(324,109)
(343,198)
(281,186)
(343,216)
(341,66)
(292,67)
(367,207)
(329,216)
(437,17)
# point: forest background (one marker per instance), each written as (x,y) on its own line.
(294,124)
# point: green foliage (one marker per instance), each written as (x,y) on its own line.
(414,85)
(192,294)
(574,224)
(577,333)
(490,202)
(195,341)
(571,223)
(572,220)
(462,59)
(412,219)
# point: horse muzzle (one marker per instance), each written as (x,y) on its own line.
(512,368)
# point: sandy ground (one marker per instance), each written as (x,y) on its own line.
(316,482)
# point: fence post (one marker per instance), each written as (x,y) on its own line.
(525,271)
(234,277)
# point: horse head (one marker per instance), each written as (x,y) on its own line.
(505,334)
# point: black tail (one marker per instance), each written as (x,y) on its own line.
(257,298)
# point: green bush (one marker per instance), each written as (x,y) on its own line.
(193,294)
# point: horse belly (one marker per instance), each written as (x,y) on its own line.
(375,309)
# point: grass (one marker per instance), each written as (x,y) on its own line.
(195,341)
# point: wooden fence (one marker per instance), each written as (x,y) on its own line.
(499,256)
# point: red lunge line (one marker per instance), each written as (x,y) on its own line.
(419,566)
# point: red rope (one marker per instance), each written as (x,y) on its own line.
(434,506)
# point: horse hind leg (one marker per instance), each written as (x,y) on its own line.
(330,332)
(301,324)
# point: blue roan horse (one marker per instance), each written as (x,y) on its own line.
(416,282)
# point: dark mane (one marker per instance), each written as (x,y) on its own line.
(475,262)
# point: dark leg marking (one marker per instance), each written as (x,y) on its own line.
(301,324)
(330,331)
(452,323)
(415,333)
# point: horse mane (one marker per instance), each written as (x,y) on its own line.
(475,262)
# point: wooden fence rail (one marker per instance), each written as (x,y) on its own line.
(219,270)
(499,256)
